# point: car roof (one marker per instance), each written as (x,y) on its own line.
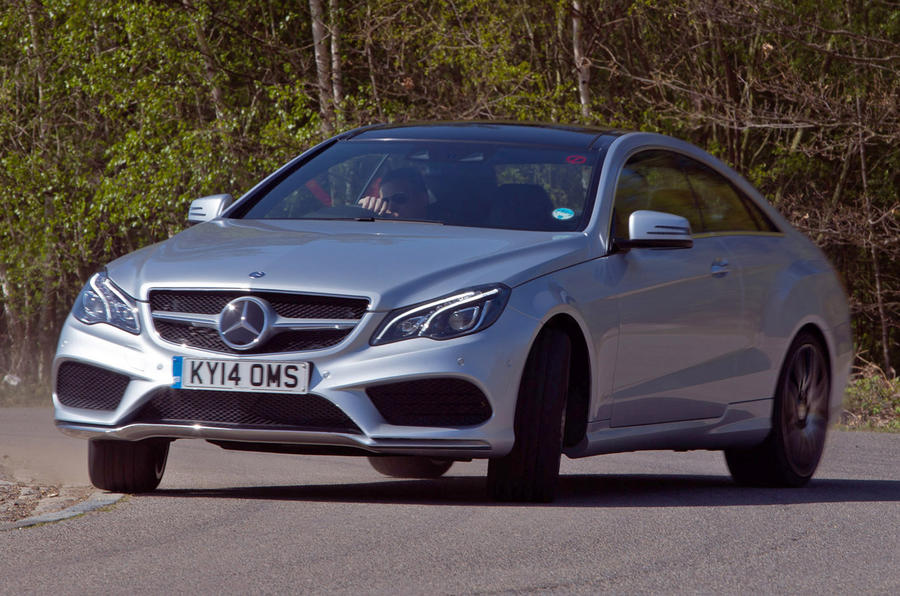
(493,132)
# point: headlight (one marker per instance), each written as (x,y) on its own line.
(465,312)
(102,302)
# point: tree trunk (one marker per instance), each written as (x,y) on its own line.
(582,63)
(876,268)
(337,86)
(323,69)
(371,62)
(209,65)
(46,322)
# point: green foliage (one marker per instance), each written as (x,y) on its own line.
(115,114)
(872,402)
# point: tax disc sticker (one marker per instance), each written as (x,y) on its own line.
(563,213)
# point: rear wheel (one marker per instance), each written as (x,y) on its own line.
(790,454)
(530,472)
(128,467)
(411,466)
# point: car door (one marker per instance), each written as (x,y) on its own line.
(679,309)
(756,249)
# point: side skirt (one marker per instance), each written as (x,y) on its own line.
(743,424)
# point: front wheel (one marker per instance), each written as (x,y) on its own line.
(411,466)
(530,472)
(790,454)
(127,467)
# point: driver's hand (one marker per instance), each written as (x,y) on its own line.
(377,205)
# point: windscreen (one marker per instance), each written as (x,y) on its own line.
(468,184)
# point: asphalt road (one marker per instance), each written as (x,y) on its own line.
(644,522)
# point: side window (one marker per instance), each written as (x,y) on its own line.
(654,180)
(723,209)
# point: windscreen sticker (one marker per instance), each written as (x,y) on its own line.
(576,160)
(563,213)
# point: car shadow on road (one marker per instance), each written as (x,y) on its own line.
(601,490)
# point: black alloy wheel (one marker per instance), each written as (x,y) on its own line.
(790,454)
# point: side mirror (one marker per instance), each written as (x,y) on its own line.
(208,208)
(654,229)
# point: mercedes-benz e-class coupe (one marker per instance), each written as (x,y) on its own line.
(421,294)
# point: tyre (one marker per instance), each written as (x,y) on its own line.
(128,467)
(411,466)
(530,472)
(790,454)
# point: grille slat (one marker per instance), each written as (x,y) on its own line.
(431,402)
(207,338)
(84,386)
(294,306)
(271,410)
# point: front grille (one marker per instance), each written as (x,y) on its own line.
(271,410)
(431,402)
(207,338)
(299,307)
(84,386)
(294,306)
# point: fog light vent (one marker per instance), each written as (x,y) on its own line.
(84,386)
(431,402)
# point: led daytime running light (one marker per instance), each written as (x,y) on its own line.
(102,302)
(490,301)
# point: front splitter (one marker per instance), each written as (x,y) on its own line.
(460,448)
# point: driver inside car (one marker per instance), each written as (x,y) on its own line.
(402,194)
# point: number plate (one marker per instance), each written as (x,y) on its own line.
(240,375)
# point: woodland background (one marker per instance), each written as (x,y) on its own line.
(115,114)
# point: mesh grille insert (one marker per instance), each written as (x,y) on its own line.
(298,412)
(207,338)
(431,402)
(295,306)
(84,386)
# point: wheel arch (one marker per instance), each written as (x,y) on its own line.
(838,364)
(578,392)
(810,298)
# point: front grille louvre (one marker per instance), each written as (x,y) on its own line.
(84,386)
(292,306)
(207,338)
(431,402)
(270,410)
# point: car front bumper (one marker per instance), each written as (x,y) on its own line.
(491,360)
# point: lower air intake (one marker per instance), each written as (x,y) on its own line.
(84,386)
(272,410)
(431,402)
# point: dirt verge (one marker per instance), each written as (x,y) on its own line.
(20,500)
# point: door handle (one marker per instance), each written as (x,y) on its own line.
(719,268)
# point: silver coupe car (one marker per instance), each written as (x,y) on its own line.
(420,294)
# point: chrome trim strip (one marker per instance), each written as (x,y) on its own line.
(212,321)
(313,324)
(197,320)
(137,432)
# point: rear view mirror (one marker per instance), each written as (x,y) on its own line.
(654,229)
(208,208)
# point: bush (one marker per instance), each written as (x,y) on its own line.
(872,401)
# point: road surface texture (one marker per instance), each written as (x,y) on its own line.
(649,522)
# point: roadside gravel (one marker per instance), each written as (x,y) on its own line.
(20,500)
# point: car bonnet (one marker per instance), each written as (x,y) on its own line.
(390,263)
